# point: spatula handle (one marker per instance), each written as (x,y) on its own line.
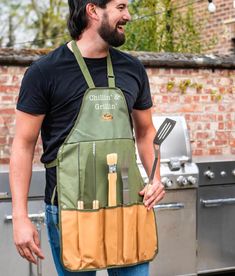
(147,188)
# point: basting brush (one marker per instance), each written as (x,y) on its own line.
(112,179)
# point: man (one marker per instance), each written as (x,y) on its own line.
(50,99)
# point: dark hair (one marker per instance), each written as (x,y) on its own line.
(77,20)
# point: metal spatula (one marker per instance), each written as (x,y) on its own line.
(163,131)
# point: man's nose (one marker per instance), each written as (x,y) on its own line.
(127,15)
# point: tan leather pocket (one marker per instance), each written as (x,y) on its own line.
(130,242)
(71,256)
(118,236)
(147,233)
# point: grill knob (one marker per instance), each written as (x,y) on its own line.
(182,181)
(233,172)
(166,182)
(192,180)
(223,173)
(209,174)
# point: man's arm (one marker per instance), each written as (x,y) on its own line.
(145,133)
(25,234)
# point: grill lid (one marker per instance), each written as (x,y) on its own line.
(177,145)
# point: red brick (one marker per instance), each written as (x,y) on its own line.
(5,161)
(16,80)
(221,126)
(3,140)
(165,99)
(7,111)
(1,121)
(196,98)
(229,125)
(222,135)
(220,117)
(174,99)
(9,89)
(7,99)
(215,151)
(3,70)
(221,142)
(198,152)
(4,79)
(203,135)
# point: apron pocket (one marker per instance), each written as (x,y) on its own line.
(91,238)
(111,235)
(70,253)
(130,234)
(147,234)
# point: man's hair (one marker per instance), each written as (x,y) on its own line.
(77,20)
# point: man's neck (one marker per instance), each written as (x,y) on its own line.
(91,46)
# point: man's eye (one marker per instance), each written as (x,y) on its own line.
(121,8)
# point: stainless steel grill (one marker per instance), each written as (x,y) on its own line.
(11,263)
(176,213)
(216,220)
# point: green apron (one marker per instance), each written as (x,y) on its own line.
(108,236)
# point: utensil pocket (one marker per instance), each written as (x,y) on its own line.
(91,238)
(129,241)
(108,237)
(147,233)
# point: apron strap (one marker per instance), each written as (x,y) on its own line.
(111,78)
(52,164)
(82,65)
(85,71)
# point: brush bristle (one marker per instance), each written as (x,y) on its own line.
(112,159)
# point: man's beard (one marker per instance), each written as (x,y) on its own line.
(110,35)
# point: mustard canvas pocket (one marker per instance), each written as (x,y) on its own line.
(107,237)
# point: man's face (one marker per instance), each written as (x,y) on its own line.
(115,16)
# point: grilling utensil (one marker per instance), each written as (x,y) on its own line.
(95,203)
(124,174)
(112,179)
(163,131)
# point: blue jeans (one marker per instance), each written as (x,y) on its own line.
(53,235)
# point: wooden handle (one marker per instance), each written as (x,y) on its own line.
(112,177)
(80,205)
(96,204)
(147,188)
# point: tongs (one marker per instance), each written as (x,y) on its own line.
(163,131)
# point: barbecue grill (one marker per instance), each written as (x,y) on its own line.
(176,213)
(216,209)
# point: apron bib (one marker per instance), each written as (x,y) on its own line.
(95,235)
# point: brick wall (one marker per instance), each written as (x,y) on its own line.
(210,118)
(10,79)
(218,27)
(194,93)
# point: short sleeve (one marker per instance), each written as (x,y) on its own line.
(144,100)
(33,95)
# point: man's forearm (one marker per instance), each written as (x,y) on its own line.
(20,176)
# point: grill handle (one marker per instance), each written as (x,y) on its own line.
(217,202)
(37,218)
(3,195)
(169,206)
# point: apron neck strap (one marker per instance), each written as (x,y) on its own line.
(82,65)
(111,78)
(85,71)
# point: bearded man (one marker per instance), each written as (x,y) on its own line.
(50,99)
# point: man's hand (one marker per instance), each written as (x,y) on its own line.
(152,193)
(26,239)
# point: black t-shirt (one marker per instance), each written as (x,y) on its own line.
(54,86)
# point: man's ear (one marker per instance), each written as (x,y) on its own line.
(91,11)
